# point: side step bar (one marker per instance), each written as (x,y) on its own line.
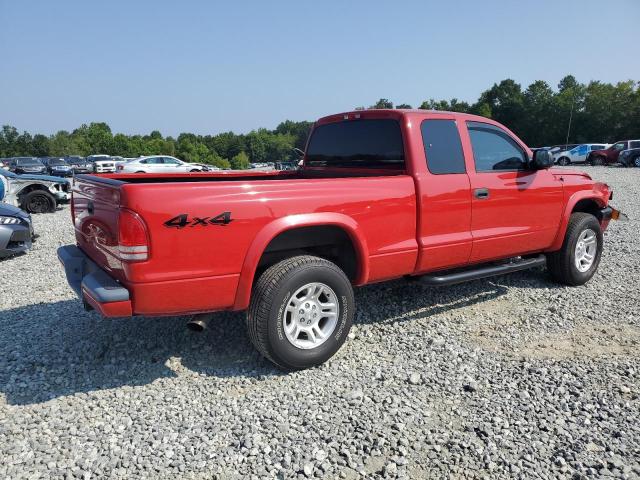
(440,279)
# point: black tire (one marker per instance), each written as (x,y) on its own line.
(39,201)
(267,312)
(564,161)
(562,265)
(597,161)
(635,162)
(140,171)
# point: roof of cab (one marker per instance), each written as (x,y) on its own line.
(399,113)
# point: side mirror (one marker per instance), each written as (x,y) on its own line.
(299,152)
(542,159)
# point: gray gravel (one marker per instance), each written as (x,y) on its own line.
(502,378)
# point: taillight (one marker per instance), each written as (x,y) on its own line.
(133,241)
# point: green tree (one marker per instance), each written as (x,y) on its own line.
(240,161)
(382,103)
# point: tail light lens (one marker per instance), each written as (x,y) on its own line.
(133,240)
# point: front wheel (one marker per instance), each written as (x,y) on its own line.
(39,201)
(578,259)
(564,161)
(635,162)
(301,312)
(597,161)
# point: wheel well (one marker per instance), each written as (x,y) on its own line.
(326,241)
(588,205)
(31,188)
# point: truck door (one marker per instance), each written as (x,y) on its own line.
(444,206)
(515,210)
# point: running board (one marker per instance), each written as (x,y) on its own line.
(443,278)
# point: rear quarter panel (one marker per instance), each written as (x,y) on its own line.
(379,213)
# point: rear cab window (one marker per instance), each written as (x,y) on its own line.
(442,147)
(363,143)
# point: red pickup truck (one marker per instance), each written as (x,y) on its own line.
(382,194)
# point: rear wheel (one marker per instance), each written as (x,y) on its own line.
(301,312)
(564,161)
(39,201)
(578,259)
(636,162)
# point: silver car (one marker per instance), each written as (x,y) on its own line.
(16,230)
(158,164)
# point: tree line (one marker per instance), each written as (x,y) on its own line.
(539,114)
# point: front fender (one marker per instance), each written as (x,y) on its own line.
(276,227)
(599,194)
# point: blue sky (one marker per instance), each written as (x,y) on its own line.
(213,66)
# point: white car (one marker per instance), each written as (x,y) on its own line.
(578,154)
(102,163)
(157,164)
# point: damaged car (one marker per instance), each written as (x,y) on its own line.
(33,193)
(16,231)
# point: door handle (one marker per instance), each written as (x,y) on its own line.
(481,193)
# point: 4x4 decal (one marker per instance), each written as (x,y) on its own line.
(183,220)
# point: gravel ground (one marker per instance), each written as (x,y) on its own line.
(502,378)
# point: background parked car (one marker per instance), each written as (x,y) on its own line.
(16,230)
(631,156)
(102,163)
(57,166)
(609,155)
(33,193)
(27,165)
(577,154)
(205,168)
(79,164)
(157,164)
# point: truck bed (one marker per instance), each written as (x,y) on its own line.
(378,208)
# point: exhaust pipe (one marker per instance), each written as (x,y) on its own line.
(199,323)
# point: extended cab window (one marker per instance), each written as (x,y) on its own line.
(442,147)
(494,149)
(373,143)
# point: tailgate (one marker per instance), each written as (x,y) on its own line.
(95,206)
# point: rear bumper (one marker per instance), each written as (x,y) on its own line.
(93,285)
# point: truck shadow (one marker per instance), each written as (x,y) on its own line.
(56,349)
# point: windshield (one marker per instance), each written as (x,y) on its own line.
(57,161)
(29,161)
(373,143)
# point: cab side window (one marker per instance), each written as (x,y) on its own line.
(442,147)
(494,149)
